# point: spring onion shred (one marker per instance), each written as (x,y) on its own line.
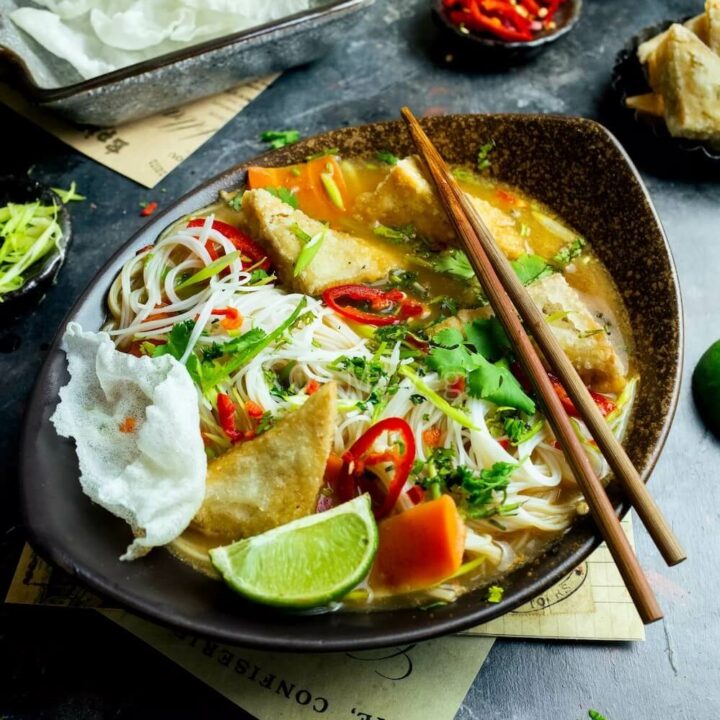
(28,233)
(70,195)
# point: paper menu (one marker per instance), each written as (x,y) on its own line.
(590,603)
(145,150)
(390,684)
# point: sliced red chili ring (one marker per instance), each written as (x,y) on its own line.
(242,242)
(353,481)
(340,297)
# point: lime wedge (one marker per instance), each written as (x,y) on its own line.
(306,563)
(706,387)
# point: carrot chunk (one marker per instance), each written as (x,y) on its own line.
(419,547)
(310,183)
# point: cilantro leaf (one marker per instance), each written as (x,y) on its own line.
(386,157)
(287,196)
(488,337)
(280,138)
(530,268)
(395,235)
(495,382)
(177,341)
(454,262)
(595,715)
(449,356)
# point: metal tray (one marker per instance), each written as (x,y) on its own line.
(176,78)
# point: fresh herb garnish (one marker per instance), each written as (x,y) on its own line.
(309,252)
(483,493)
(530,268)
(235,202)
(177,340)
(258,276)
(495,594)
(395,235)
(569,252)
(595,715)
(280,138)
(300,234)
(367,371)
(417,399)
(589,333)
(386,157)
(450,357)
(209,270)
(266,422)
(483,159)
(287,196)
(454,262)
(70,195)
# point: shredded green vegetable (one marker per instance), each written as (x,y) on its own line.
(308,253)
(70,195)
(439,402)
(27,234)
(209,270)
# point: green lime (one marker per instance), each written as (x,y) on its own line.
(307,562)
(706,387)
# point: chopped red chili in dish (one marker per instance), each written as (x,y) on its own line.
(510,20)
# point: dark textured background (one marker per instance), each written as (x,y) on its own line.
(71,664)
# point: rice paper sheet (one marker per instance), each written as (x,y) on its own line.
(99,36)
(135,422)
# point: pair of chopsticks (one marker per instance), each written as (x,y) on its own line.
(511,302)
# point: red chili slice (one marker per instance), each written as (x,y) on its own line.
(242,242)
(605,404)
(352,481)
(339,298)
(226,417)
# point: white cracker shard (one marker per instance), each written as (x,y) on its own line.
(135,422)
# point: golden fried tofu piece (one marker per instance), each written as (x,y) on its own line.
(688,77)
(342,258)
(712,25)
(406,197)
(580,335)
(697,25)
(273,479)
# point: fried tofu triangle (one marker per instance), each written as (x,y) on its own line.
(273,479)
(341,259)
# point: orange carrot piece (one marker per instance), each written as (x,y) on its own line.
(305,181)
(419,547)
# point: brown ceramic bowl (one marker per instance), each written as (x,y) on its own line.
(573,165)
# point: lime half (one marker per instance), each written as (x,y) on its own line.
(308,562)
(706,387)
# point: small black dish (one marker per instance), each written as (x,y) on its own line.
(39,277)
(629,79)
(485,48)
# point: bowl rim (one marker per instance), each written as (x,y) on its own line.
(44,542)
(490,42)
(62,92)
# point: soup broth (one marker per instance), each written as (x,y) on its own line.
(536,500)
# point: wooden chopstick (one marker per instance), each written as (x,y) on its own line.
(477,241)
(638,493)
